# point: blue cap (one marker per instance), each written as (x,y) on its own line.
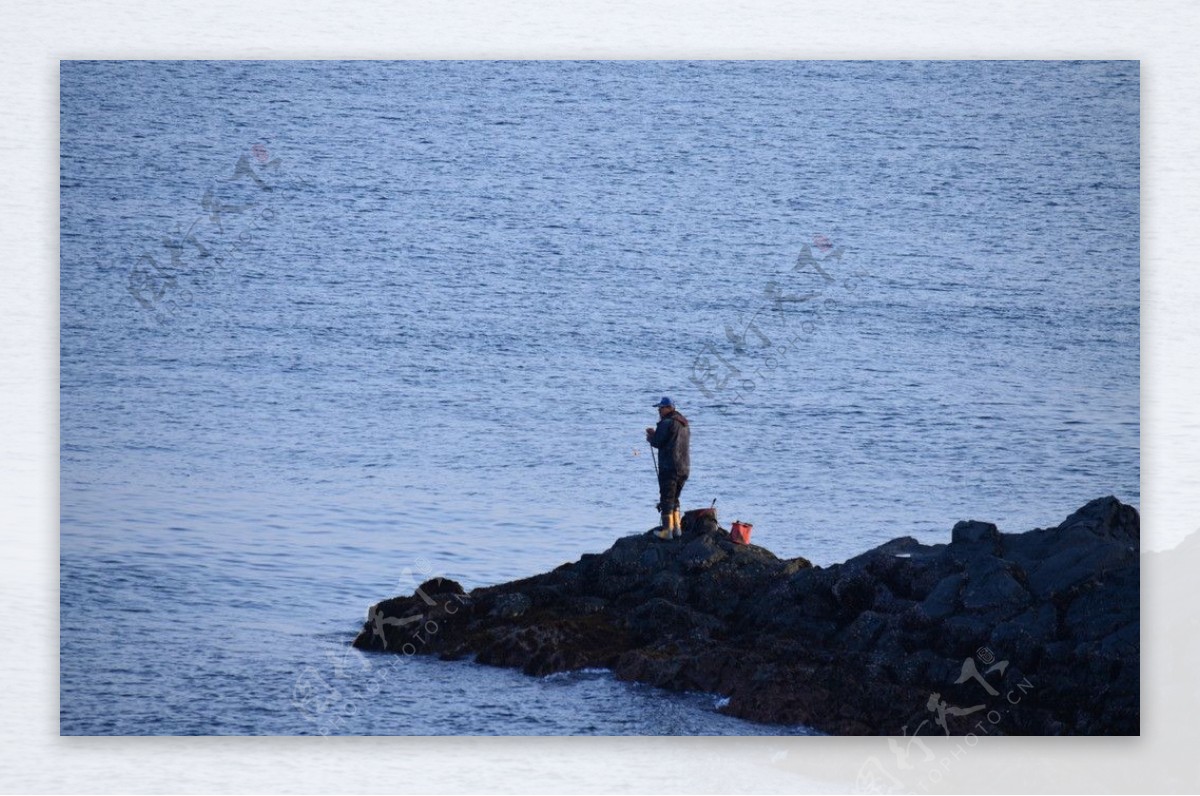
(665,402)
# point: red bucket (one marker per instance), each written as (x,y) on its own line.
(740,533)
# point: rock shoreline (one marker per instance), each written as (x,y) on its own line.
(1034,633)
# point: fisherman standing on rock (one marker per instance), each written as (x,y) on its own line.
(671,438)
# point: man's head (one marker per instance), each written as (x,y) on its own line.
(665,407)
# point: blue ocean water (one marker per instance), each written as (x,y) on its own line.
(331,328)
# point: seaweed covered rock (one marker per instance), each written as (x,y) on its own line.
(1039,629)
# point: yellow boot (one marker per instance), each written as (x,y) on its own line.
(664,530)
(676,524)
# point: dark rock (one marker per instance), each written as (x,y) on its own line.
(669,585)
(588,605)
(547,595)
(700,554)
(1107,517)
(794,565)
(886,602)
(510,606)
(441,586)
(1067,568)
(862,633)
(855,590)
(1098,611)
(859,647)
(944,599)
(1028,632)
(963,632)
(974,532)
(652,558)
(662,619)
(811,580)
(993,586)
(925,570)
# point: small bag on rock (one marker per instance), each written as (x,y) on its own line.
(699,520)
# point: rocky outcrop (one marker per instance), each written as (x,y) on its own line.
(990,633)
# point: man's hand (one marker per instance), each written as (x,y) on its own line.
(649,433)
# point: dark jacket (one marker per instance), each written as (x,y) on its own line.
(671,438)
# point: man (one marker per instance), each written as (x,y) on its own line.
(671,438)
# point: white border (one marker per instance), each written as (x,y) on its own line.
(36,34)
